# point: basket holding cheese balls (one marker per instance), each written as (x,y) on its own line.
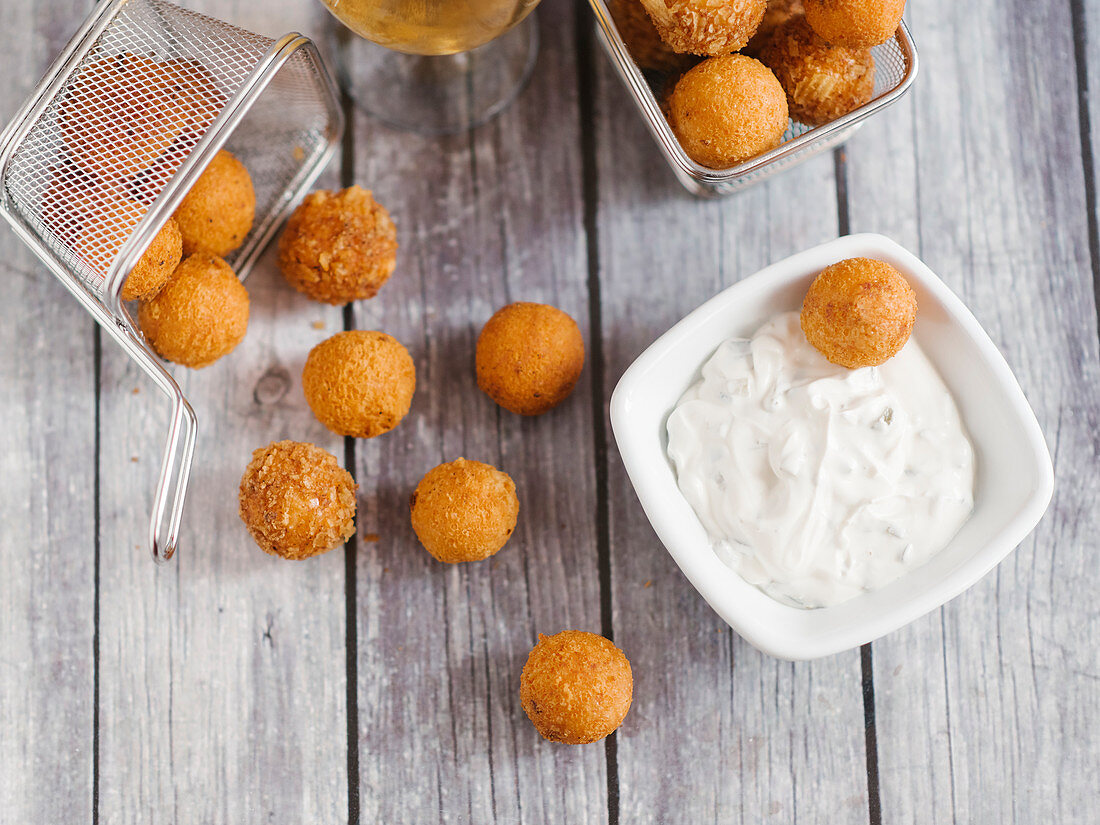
(739,71)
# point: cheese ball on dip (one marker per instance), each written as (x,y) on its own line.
(296,500)
(464,510)
(359,383)
(576,687)
(706,27)
(859,312)
(338,246)
(858,24)
(216,215)
(727,110)
(200,315)
(529,357)
(822,82)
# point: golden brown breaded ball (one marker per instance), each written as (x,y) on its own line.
(529,357)
(642,40)
(156,266)
(200,315)
(216,215)
(727,110)
(858,24)
(822,82)
(96,220)
(338,246)
(121,113)
(576,687)
(706,27)
(464,510)
(859,312)
(359,383)
(296,500)
(778,13)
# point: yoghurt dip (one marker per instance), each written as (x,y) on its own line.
(815,482)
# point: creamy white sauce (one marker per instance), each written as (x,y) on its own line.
(816,482)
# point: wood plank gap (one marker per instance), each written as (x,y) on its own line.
(97,367)
(1088,162)
(870,736)
(351,585)
(586,81)
(840,168)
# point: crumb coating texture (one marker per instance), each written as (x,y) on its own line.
(216,215)
(338,246)
(296,500)
(576,687)
(822,82)
(727,110)
(359,383)
(858,24)
(706,27)
(200,315)
(529,357)
(464,510)
(859,312)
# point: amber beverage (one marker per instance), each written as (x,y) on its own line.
(430,27)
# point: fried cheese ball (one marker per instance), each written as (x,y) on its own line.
(156,265)
(359,382)
(727,110)
(338,246)
(706,27)
(858,24)
(859,312)
(96,220)
(778,13)
(216,215)
(642,40)
(576,687)
(822,82)
(122,113)
(464,510)
(529,357)
(200,315)
(296,500)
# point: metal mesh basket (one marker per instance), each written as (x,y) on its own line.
(115,134)
(895,70)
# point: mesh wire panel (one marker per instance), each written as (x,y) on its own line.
(129,113)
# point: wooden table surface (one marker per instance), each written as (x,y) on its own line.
(375,685)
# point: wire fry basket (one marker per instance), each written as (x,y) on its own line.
(114,135)
(895,69)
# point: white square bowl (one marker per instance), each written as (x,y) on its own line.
(1013,481)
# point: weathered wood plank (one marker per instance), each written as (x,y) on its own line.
(47,519)
(719,731)
(483,219)
(223,691)
(986,710)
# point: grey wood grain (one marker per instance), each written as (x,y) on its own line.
(223,693)
(483,219)
(718,732)
(987,711)
(47,518)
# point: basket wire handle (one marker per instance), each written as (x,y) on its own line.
(179,446)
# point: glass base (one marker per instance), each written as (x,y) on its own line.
(444,94)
